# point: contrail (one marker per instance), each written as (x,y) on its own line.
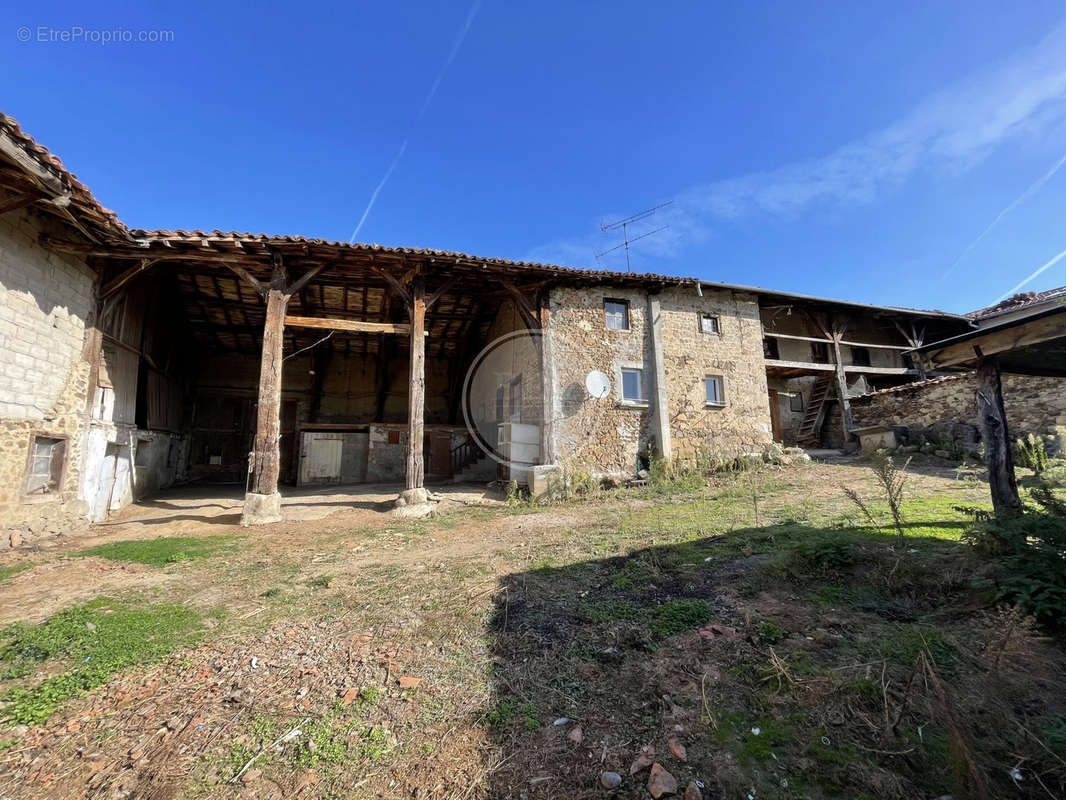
(1040,271)
(377,191)
(458,43)
(1036,187)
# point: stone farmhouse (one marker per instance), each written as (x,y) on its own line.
(132,360)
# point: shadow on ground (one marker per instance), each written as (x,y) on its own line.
(749,664)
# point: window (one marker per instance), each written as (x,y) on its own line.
(769,348)
(499,404)
(820,352)
(633,385)
(709,323)
(45,470)
(394,437)
(795,402)
(516,399)
(860,356)
(713,390)
(616,314)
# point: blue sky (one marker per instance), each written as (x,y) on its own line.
(854,150)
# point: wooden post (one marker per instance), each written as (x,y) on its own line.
(842,386)
(996,435)
(416,394)
(262,503)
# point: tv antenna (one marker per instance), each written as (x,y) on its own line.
(624,225)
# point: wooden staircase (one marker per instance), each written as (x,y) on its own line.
(814,414)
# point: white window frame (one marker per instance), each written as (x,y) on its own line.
(619,374)
(721,391)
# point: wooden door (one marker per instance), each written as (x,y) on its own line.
(440,454)
(775,415)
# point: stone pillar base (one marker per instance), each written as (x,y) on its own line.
(412,497)
(261,509)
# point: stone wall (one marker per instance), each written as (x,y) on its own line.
(46,305)
(1033,405)
(612,435)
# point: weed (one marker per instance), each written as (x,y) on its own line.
(163,551)
(320,581)
(677,616)
(1031,452)
(97,639)
(770,632)
(506,711)
(272,592)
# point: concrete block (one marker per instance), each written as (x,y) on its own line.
(261,509)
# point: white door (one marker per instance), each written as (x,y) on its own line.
(320,458)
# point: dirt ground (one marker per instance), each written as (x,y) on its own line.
(348,653)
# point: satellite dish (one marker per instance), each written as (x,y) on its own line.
(597,384)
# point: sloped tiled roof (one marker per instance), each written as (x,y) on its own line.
(914,386)
(84,206)
(1018,302)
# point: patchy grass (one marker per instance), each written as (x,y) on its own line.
(11,570)
(164,550)
(87,644)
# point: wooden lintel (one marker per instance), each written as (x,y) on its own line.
(349,325)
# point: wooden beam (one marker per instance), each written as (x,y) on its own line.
(252,281)
(842,384)
(121,280)
(21,201)
(827,341)
(525,308)
(995,341)
(433,298)
(416,394)
(996,435)
(395,283)
(266,456)
(51,182)
(306,278)
(349,325)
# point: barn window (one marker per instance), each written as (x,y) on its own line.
(860,356)
(820,352)
(44,473)
(616,314)
(770,349)
(394,437)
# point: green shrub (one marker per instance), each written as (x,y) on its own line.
(674,478)
(1028,568)
(823,555)
(677,616)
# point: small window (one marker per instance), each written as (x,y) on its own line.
(616,314)
(709,323)
(795,402)
(713,390)
(633,385)
(45,472)
(142,453)
(394,437)
(820,352)
(769,348)
(860,356)
(516,399)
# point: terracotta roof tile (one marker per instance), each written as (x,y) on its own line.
(914,386)
(1017,302)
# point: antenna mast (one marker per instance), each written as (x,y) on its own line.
(624,225)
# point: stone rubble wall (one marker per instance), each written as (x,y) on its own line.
(610,436)
(1033,404)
